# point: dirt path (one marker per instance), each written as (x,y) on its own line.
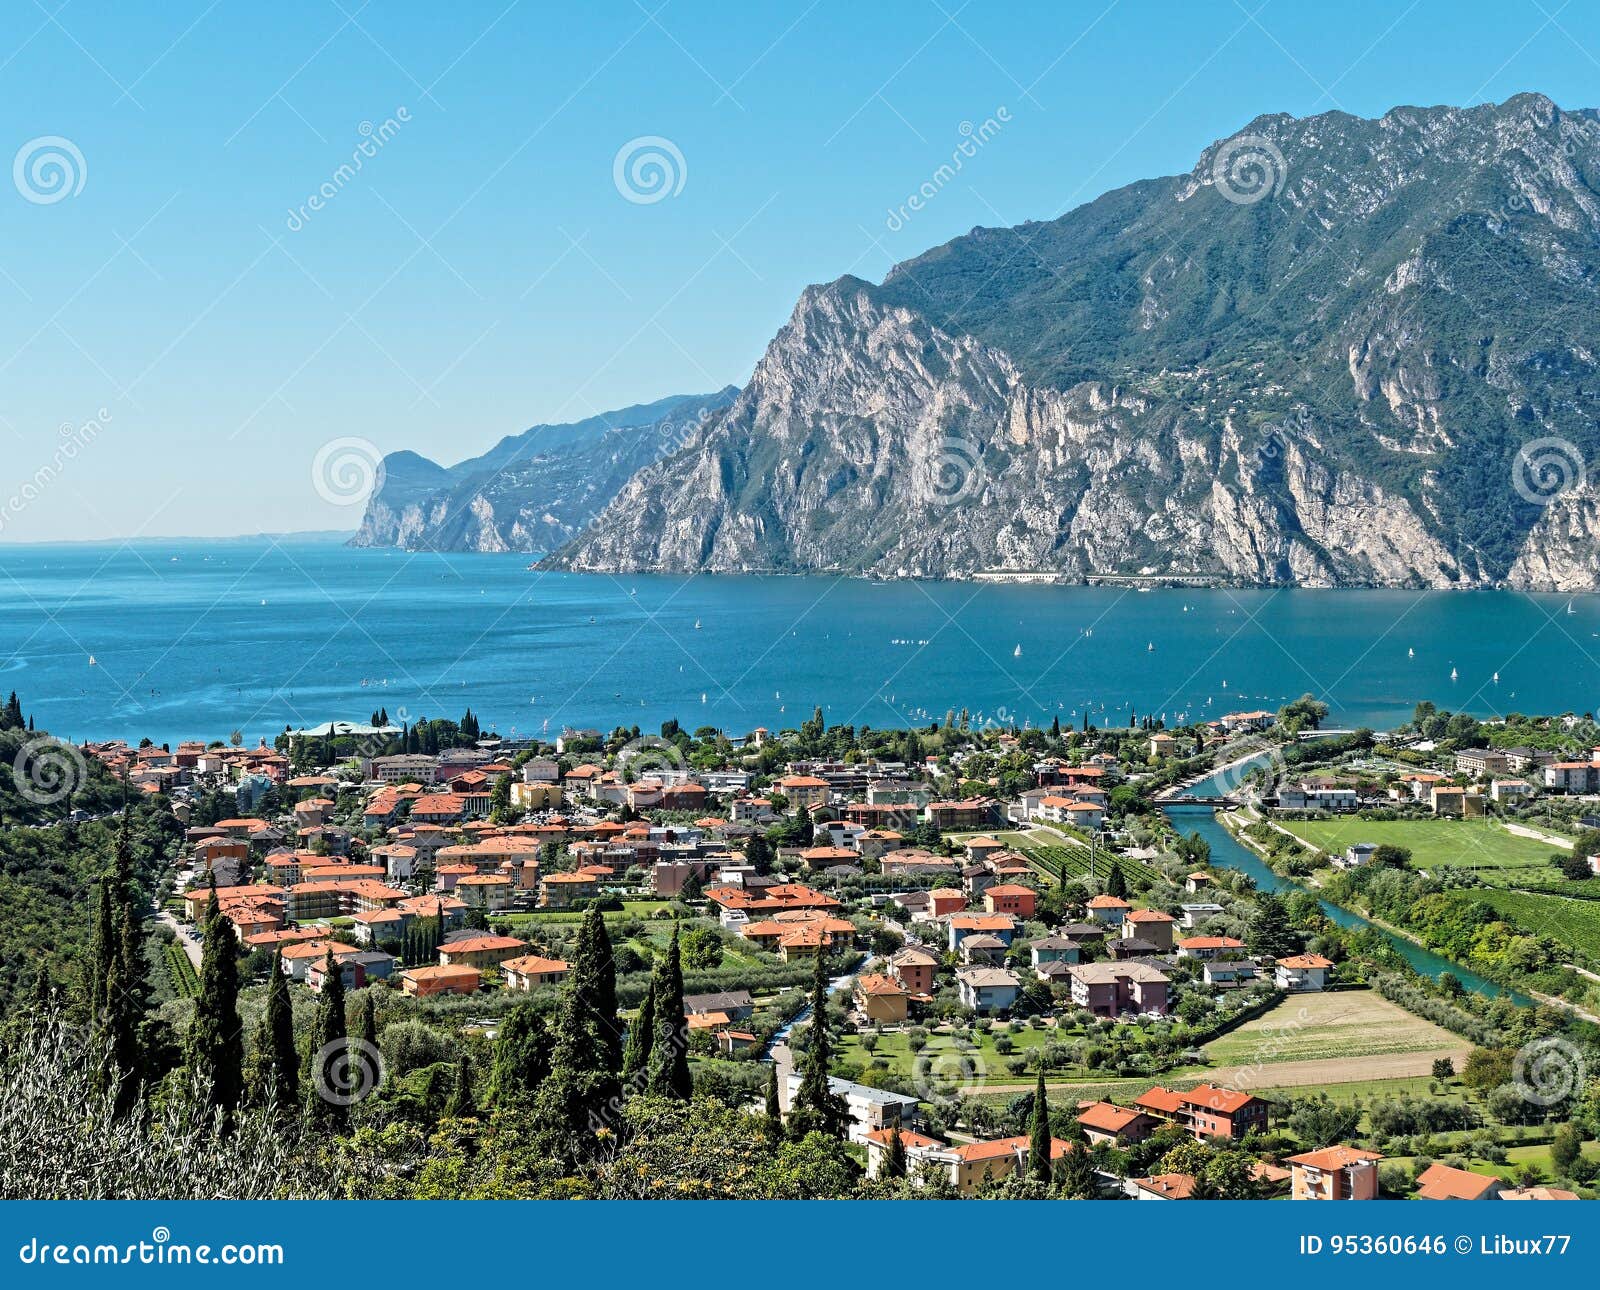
(1338,1070)
(191,947)
(1523,831)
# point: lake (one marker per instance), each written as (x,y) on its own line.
(194,639)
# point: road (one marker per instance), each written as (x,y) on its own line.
(191,947)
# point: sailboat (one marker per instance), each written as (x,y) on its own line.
(1570,609)
(1017,653)
(1150,648)
(1411,653)
(1497,678)
(1453,674)
(92,662)
(697,624)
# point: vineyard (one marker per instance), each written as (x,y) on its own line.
(184,981)
(1056,862)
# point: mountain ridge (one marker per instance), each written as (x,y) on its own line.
(1332,377)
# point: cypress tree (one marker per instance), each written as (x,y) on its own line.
(669,1053)
(586,1020)
(1039,1140)
(816,1109)
(368,1032)
(894,1156)
(1078,1181)
(104,953)
(641,1035)
(332,1038)
(1116,883)
(462,1101)
(277,1059)
(774,1107)
(521,1054)
(216,1045)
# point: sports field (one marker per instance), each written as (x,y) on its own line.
(1343,1027)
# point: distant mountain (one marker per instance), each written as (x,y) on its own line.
(1337,352)
(531,491)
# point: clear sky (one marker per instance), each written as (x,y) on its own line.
(484,270)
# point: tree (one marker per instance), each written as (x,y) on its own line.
(894,1156)
(1270,932)
(641,1035)
(368,1028)
(216,1046)
(758,853)
(1078,1181)
(774,1107)
(1305,713)
(1565,1150)
(816,1109)
(1444,1068)
(1116,884)
(332,1037)
(587,1037)
(668,1064)
(462,1100)
(521,1054)
(277,1061)
(1039,1142)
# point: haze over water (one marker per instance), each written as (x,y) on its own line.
(196,639)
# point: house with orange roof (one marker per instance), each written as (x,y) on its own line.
(1010,898)
(1207,1111)
(1209,947)
(1110,910)
(784,896)
(804,791)
(1162,1187)
(562,890)
(1115,989)
(1302,972)
(483,950)
(915,968)
(427,982)
(972,1164)
(1118,1125)
(1537,1193)
(946,900)
(962,926)
(532,971)
(881,999)
(490,891)
(1441,1182)
(1335,1173)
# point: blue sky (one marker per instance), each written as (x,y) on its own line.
(482,271)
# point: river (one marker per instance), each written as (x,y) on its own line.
(1228,853)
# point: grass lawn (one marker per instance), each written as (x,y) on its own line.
(943,1059)
(1366,1089)
(1571,922)
(1482,845)
(1328,1027)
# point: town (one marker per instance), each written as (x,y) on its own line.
(1003,927)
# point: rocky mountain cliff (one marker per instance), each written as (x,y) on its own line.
(531,491)
(1337,352)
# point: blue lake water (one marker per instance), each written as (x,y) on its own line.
(196,639)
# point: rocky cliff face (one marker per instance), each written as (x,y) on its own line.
(1339,376)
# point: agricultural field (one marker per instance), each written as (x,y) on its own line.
(1571,922)
(1484,846)
(1052,860)
(944,1060)
(1339,1029)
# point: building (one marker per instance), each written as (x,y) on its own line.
(1356,856)
(1335,1173)
(964,925)
(1011,898)
(881,998)
(1208,947)
(1509,792)
(480,950)
(1206,1111)
(1110,910)
(1113,989)
(1482,761)
(988,989)
(916,1145)
(1456,803)
(972,1164)
(1055,948)
(804,791)
(1302,972)
(530,972)
(1441,1182)
(1149,925)
(427,981)
(1118,1125)
(870,1109)
(915,968)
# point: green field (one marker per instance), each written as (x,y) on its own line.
(1332,1027)
(1571,922)
(944,1060)
(1483,846)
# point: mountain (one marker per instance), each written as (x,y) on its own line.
(531,491)
(1337,352)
